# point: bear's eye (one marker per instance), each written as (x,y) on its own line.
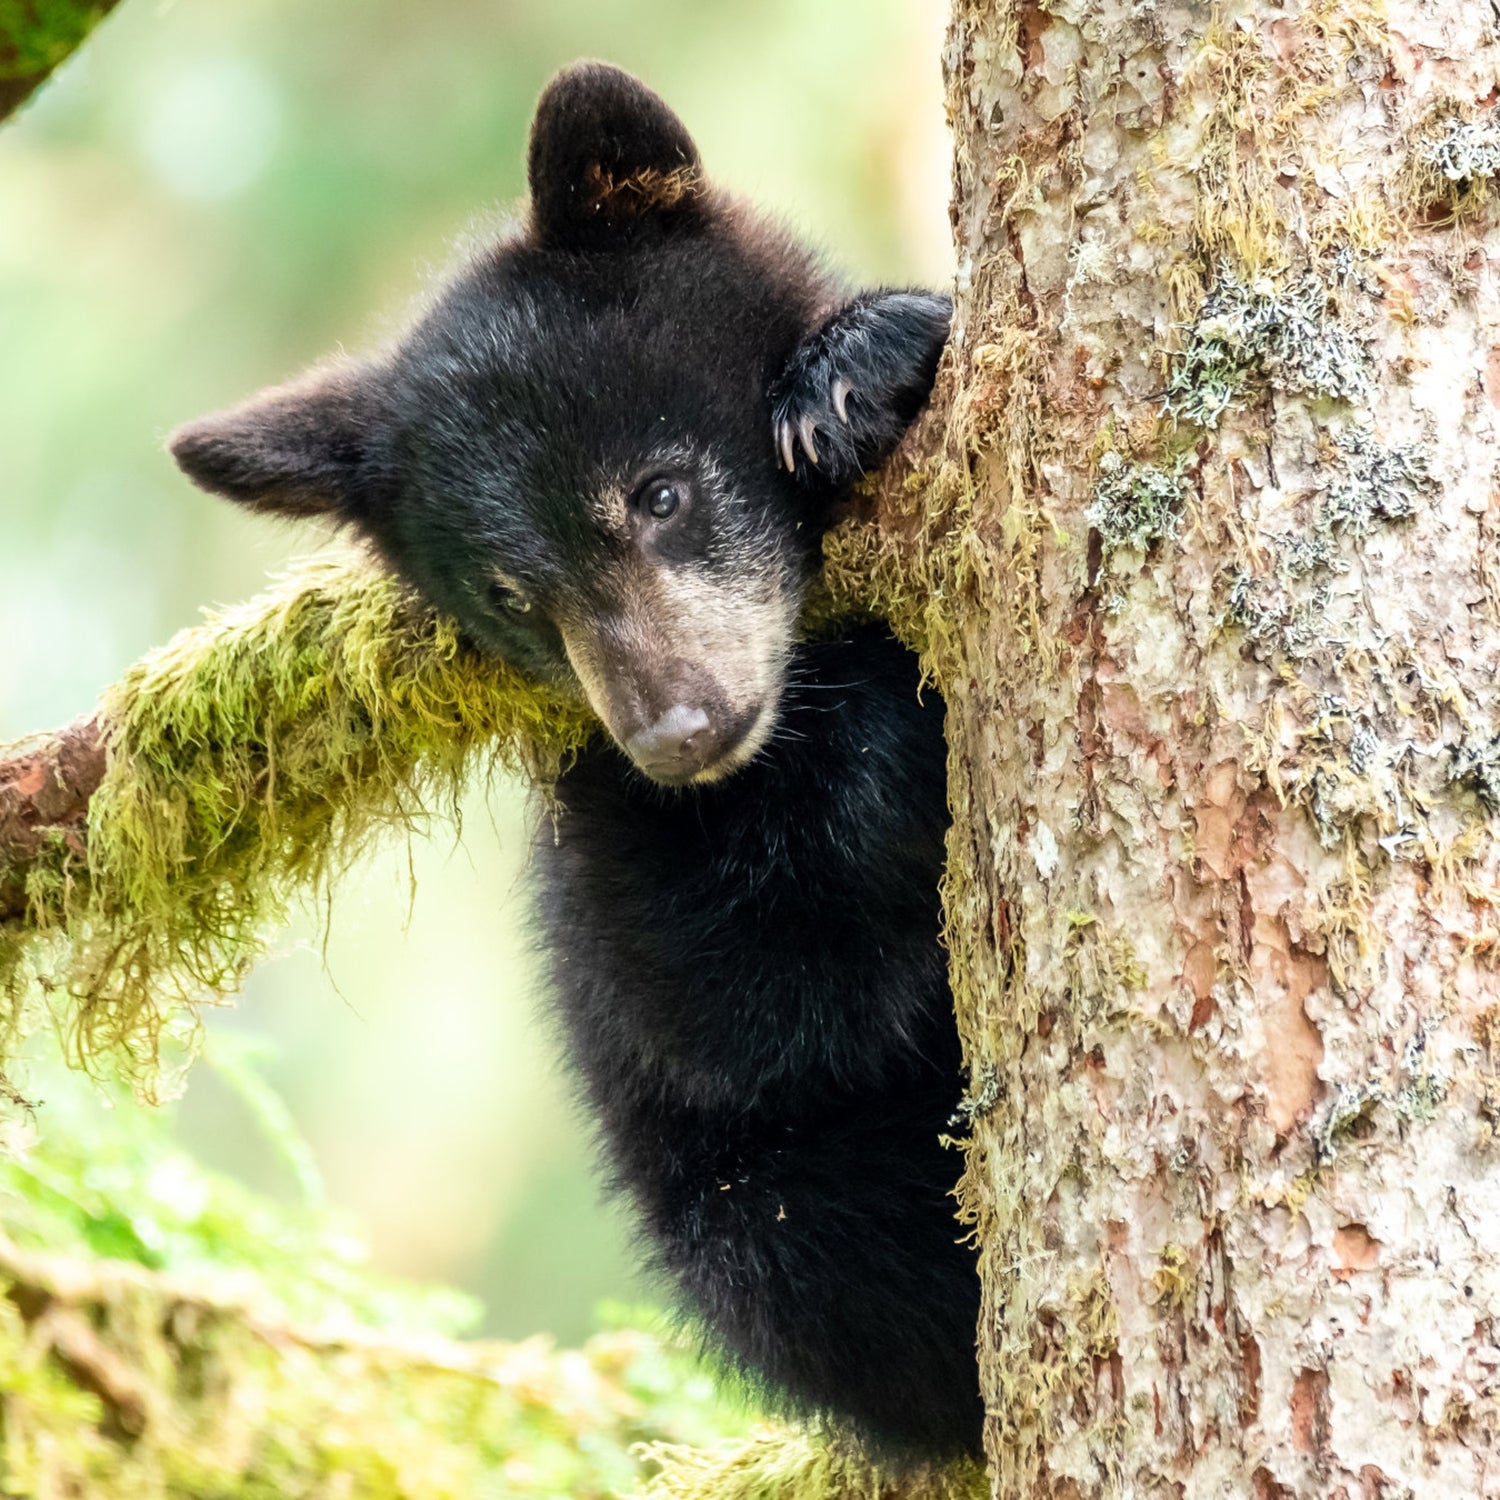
(662,499)
(506,598)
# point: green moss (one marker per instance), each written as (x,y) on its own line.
(792,1466)
(252,760)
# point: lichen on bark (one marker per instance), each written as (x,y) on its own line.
(1232,1214)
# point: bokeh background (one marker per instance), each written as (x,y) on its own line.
(214,193)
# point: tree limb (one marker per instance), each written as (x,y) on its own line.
(45,785)
(35,37)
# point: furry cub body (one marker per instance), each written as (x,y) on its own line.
(610,450)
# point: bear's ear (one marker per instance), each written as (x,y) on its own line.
(307,448)
(608,161)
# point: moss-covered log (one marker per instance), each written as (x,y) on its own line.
(166,1335)
(35,37)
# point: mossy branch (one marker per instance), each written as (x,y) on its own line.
(120,1380)
(37,35)
(147,853)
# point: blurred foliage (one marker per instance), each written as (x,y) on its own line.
(209,195)
(166,1335)
(107,1181)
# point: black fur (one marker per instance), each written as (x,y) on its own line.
(752,988)
(883,349)
(596,450)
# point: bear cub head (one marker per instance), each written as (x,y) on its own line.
(571,452)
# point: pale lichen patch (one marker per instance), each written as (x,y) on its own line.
(1374,483)
(1286,606)
(1412,1090)
(1137,505)
(1287,622)
(1282,330)
(1458,157)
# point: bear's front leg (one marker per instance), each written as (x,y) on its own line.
(851,389)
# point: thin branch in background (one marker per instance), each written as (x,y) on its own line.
(36,36)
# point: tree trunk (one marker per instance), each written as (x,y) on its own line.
(1204,561)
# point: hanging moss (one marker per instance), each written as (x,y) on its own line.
(251,760)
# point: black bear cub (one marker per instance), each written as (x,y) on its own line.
(610,449)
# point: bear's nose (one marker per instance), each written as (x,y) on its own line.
(679,743)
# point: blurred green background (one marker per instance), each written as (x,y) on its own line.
(216,192)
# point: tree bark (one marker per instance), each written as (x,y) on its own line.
(1203,559)
(1199,541)
(35,37)
(45,786)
